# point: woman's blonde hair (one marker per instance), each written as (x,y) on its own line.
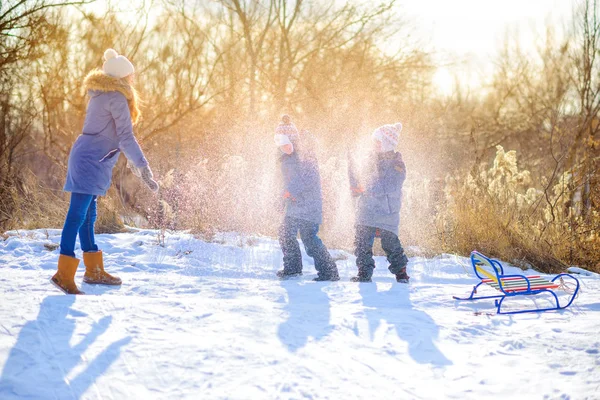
(134,104)
(98,80)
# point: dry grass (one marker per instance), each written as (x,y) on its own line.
(109,214)
(499,212)
(32,205)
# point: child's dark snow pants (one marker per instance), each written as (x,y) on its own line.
(363,245)
(292,257)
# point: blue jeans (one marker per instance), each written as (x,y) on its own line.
(81,218)
(292,257)
(363,245)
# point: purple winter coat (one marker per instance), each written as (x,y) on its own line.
(379,205)
(301,178)
(107,131)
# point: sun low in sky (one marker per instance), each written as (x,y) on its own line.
(473,30)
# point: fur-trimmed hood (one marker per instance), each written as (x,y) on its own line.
(98,80)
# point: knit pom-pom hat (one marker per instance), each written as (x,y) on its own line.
(286,127)
(116,65)
(388,135)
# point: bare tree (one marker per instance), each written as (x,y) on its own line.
(256,19)
(24,26)
(586,81)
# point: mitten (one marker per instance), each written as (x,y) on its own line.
(357,191)
(147,177)
(287,195)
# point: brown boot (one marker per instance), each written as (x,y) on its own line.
(94,270)
(64,279)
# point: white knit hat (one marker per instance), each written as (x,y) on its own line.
(116,66)
(388,135)
(286,127)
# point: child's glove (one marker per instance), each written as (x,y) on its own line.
(287,195)
(357,191)
(145,174)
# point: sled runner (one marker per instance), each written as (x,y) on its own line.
(490,272)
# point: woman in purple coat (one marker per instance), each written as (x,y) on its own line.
(108,129)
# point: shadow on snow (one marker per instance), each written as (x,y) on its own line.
(308,310)
(414,326)
(40,364)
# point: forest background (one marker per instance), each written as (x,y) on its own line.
(508,166)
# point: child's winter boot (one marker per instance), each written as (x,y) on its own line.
(94,270)
(64,279)
(333,277)
(283,274)
(402,276)
(331,274)
(363,276)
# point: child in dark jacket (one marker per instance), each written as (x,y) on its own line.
(378,205)
(303,209)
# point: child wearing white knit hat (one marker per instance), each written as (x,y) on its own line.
(303,204)
(379,191)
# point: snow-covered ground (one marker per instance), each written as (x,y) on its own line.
(200,320)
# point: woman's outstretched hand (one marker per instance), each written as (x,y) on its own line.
(146,175)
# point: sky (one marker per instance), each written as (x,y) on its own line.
(474,29)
